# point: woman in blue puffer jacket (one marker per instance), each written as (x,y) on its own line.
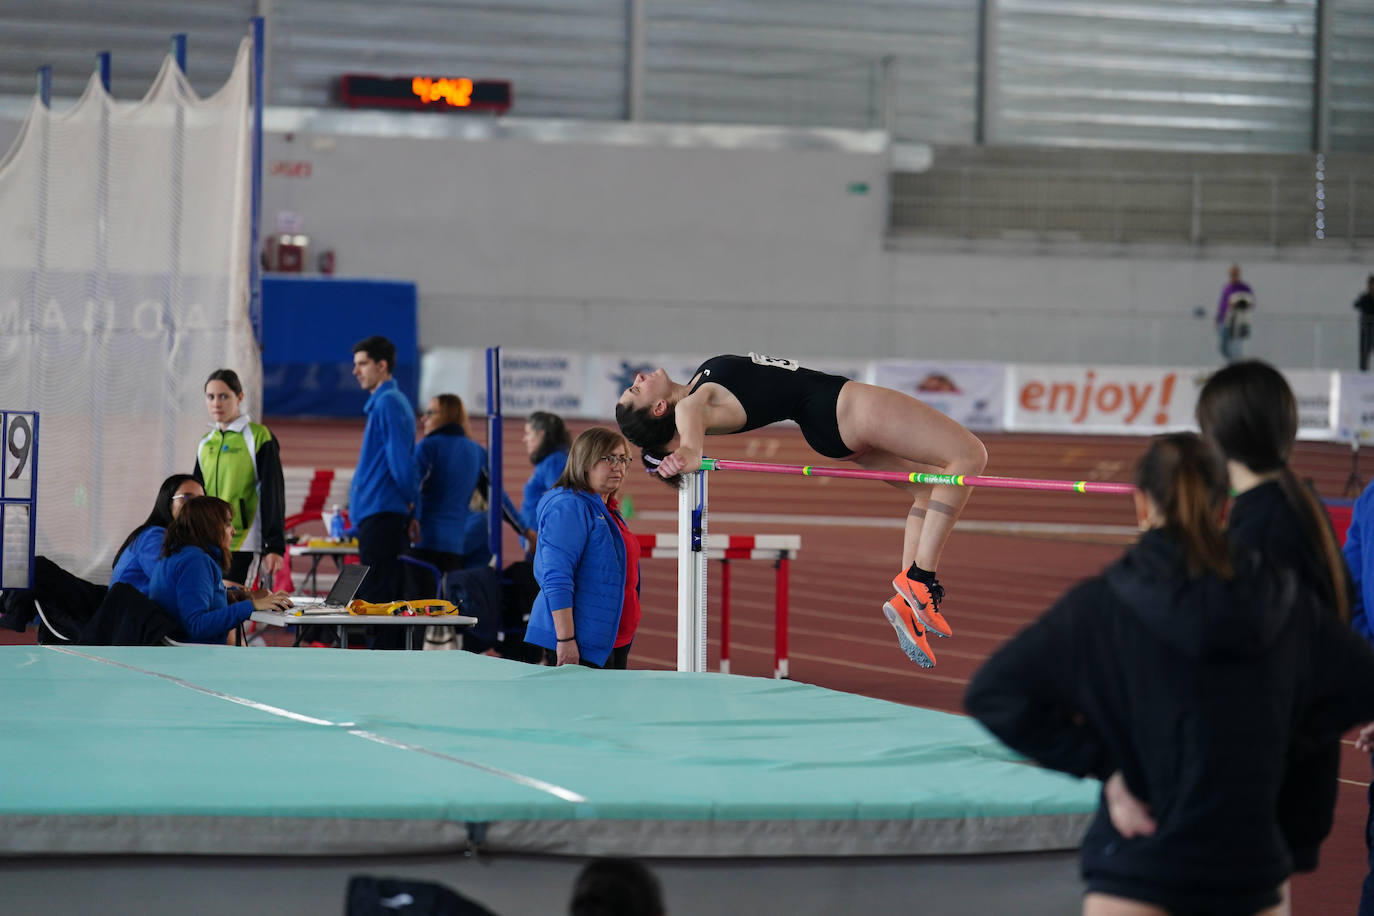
(587,564)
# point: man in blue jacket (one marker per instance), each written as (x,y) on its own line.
(1359,556)
(386,483)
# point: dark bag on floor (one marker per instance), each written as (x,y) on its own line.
(477,592)
(519,589)
(392,896)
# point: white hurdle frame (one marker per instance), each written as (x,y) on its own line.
(691,573)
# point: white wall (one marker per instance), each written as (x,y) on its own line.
(593,237)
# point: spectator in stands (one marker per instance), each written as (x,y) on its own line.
(188,582)
(138,556)
(1233,315)
(385,485)
(450,466)
(546,441)
(240,462)
(587,564)
(616,887)
(1180,676)
(1365,306)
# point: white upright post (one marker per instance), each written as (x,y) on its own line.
(691,573)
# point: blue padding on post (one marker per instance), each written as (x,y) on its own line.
(310,325)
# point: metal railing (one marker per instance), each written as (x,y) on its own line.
(1276,208)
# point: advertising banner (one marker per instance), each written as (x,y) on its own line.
(986,397)
(1316,391)
(971,393)
(1120,400)
(1355,416)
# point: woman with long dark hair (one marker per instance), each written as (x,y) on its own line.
(1180,677)
(547,442)
(188,582)
(1249,411)
(138,556)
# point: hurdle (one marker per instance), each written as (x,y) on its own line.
(780,548)
(694,545)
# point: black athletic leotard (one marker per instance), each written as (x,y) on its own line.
(772,389)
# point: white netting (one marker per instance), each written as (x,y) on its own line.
(124,236)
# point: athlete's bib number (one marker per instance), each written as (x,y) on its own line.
(777,362)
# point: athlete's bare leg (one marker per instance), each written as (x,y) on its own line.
(894,431)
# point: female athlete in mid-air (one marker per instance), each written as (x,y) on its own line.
(874,427)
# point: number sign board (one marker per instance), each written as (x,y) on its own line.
(18,493)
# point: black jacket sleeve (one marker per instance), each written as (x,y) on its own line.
(1025,693)
(271,497)
(1342,695)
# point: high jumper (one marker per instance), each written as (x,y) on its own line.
(876,428)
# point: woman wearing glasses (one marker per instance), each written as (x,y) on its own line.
(137,557)
(587,564)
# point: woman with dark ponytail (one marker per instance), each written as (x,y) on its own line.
(1177,677)
(1249,411)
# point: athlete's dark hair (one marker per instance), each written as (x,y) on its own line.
(1249,411)
(200,523)
(556,437)
(652,434)
(1186,478)
(616,887)
(228,377)
(161,516)
(378,349)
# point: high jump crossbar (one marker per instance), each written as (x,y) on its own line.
(693,540)
(948,480)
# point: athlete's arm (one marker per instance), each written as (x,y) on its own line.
(692,414)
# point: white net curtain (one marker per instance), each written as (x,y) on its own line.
(124,281)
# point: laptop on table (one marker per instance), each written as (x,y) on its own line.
(336,602)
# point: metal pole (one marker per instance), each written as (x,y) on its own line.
(780,649)
(686,500)
(985,110)
(494,456)
(179,50)
(259,28)
(887,94)
(691,573)
(1321,79)
(634,60)
(725,616)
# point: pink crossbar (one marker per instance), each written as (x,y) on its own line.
(949,480)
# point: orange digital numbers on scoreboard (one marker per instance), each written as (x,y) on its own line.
(455,92)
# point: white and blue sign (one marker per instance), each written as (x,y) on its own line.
(18,493)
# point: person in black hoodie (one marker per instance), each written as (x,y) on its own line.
(1248,410)
(1178,677)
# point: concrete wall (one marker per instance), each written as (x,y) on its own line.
(662,238)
